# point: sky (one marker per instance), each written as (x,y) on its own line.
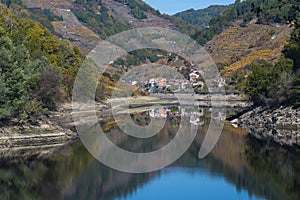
(173,6)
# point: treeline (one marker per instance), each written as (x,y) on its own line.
(279,83)
(37,70)
(201,18)
(266,11)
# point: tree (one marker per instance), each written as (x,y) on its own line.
(258,82)
(292,51)
(297,91)
(282,90)
(16,78)
(47,90)
(270,84)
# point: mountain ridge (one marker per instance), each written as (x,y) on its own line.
(201,18)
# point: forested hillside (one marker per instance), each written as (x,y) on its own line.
(201,18)
(37,69)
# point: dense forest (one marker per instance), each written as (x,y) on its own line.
(37,69)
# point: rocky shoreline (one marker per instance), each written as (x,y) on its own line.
(279,125)
(23,138)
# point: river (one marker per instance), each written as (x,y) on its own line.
(239,167)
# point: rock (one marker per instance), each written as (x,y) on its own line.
(44,126)
(279,125)
(235,121)
(32,134)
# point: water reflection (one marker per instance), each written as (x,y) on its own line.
(239,167)
(193,115)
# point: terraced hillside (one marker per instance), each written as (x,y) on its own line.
(70,28)
(87,22)
(124,12)
(237,47)
(84,24)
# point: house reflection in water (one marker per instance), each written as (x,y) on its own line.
(220,116)
(160,113)
(195,118)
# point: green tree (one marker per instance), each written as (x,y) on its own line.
(292,51)
(17,78)
(258,82)
(270,84)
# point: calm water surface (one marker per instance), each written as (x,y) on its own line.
(239,167)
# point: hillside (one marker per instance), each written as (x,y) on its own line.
(243,12)
(69,27)
(239,34)
(85,22)
(237,47)
(149,17)
(201,18)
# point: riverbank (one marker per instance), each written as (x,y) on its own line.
(38,136)
(55,127)
(228,101)
(279,125)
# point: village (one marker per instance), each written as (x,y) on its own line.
(164,85)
